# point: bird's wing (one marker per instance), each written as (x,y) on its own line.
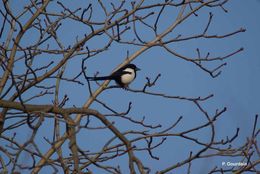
(120,73)
(113,76)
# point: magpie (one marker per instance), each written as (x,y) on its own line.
(123,76)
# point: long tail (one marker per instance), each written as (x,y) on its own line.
(101,78)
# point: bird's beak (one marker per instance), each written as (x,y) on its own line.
(137,69)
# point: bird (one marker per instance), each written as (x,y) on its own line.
(123,76)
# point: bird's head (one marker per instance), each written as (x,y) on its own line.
(133,66)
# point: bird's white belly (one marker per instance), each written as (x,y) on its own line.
(128,78)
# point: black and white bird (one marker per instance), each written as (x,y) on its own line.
(123,76)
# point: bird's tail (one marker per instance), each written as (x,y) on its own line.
(100,78)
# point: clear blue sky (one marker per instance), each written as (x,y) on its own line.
(237,88)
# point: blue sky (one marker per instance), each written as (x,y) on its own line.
(237,88)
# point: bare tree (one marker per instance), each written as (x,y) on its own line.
(35,56)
